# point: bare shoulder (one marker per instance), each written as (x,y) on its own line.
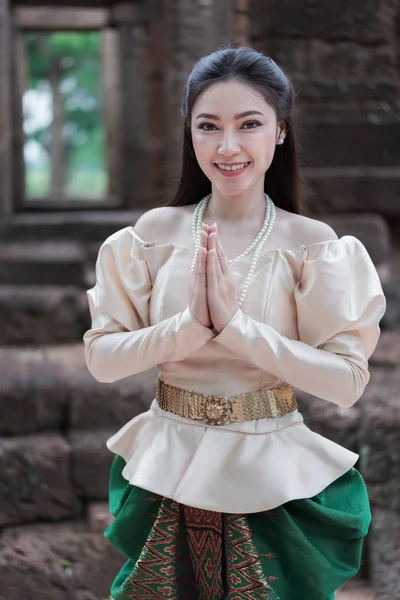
(159,223)
(305,231)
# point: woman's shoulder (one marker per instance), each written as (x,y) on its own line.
(300,230)
(161,224)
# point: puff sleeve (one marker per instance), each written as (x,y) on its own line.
(340,303)
(121,341)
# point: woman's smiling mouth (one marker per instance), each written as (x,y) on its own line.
(231,169)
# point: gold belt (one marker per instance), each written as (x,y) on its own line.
(216,410)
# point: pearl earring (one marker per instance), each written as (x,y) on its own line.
(280,142)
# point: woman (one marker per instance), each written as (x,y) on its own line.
(220,490)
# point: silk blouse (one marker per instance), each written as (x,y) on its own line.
(310,318)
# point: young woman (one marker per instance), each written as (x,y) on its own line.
(219,490)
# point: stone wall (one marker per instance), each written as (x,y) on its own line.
(343,59)
(54,417)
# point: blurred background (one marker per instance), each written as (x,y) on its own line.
(90,131)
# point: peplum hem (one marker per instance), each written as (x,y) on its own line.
(235,468)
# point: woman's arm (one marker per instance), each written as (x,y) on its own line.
(121,341)
(339,306)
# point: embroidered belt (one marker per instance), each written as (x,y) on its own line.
(216,410)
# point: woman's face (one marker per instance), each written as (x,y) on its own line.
(234,133)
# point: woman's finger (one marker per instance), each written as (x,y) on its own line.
(222,259)
(212,238)
(201,270)
(212,284)
(224,264)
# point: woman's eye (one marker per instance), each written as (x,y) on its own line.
(251,125)
(207,126)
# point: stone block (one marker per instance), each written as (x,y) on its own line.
(371,229)
(91,463)
(364,21)
(51,388)
(337,71)
(351,140)
(373,89)
(317,59)
(391,319)
(56,562)
(384,553)
(36,386)
(356,589)
(99,516)
(42,263)
(35,479)
(353,190)
(337,424)
(387,351)
(379,438)
(33,393)
(42,314)
(81,226)
(97,405)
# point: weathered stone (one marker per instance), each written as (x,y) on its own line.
(99,516)
(346,71)
(51,387)
(36,386)
(354,140)
(364,21)
(35,481)
(319,59)
(379,438)
(190,31)
(56,562)
(337,424)
(33,393)
(97,405)
(42,314)
(387,351)
(85,226)
(42,263)
(353,189)
(356,589)
(91,463)
(371,230)
(377,88)
(135,164)
(391,319)
(384,553)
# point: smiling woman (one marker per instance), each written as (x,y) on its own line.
(237,110)
(220,490)
(235,145)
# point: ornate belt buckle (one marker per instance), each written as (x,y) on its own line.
(216,410)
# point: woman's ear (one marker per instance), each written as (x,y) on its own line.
(282,131)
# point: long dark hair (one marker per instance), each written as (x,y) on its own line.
(282,180)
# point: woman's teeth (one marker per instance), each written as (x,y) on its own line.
(232,167)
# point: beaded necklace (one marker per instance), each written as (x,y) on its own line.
(256,245)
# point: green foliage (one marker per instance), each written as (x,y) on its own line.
(71,62)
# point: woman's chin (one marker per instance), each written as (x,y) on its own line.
(232,189)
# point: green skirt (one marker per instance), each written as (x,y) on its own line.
(304,549)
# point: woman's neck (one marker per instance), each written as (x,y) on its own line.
(235,209)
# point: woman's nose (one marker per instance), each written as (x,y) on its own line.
(229,145)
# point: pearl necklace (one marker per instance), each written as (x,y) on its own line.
(257,244)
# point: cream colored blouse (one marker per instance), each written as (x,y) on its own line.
(310,318)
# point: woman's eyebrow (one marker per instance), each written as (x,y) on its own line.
(247,113)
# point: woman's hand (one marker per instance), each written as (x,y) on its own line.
(198,285)
(222,296)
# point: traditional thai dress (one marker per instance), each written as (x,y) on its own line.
(264,508)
